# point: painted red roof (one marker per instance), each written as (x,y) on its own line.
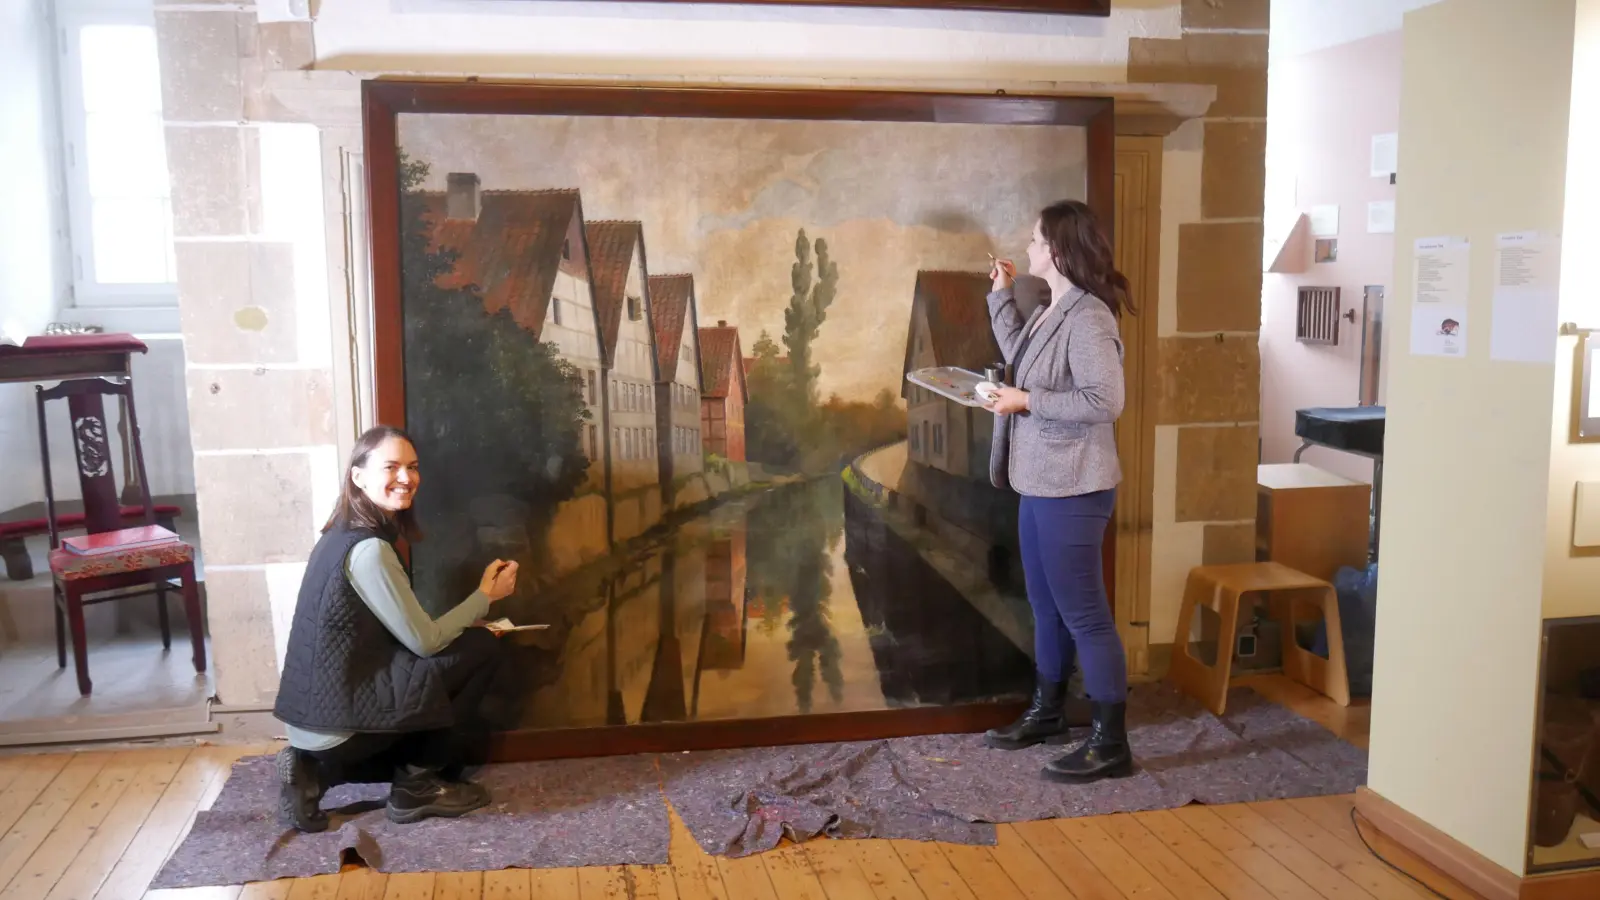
(512,251)
(612,246)
(672,299)
(720,361)
(957,310)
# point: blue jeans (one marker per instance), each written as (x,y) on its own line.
(1061,541)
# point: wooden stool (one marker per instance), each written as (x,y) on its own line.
(1222,589)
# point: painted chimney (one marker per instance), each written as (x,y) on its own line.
(461,196)
(722,323)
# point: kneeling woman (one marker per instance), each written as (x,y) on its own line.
(373,688)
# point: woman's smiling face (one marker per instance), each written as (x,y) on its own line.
(389,477)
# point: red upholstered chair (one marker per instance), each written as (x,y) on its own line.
(81,580)
(14,550)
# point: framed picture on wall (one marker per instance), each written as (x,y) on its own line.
(1585,392)
(652,344)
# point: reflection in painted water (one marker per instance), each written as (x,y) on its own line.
(776,603)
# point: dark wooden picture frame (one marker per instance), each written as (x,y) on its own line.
(1095,8)
(382,103)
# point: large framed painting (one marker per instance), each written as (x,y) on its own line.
(652,344)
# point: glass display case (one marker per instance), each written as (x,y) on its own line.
(1564,816)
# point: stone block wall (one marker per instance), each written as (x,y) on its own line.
(256,334)
(1208,358)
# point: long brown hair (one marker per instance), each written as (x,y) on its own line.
(356,510)
(1082,252)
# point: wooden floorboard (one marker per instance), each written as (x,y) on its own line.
(1034,879)
(98,825)
(789,869)
(365,884)
(92,862)
(36,774)
(1207,861)
(10,768)
(192,787)
(836,868)
(1129,875)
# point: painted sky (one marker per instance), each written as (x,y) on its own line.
(723,200)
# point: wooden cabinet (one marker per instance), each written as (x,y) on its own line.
(1310,519)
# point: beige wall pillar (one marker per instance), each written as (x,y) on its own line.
(1483,151)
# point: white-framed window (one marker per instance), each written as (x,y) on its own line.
(119,194)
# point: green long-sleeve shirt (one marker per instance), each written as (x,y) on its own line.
(375,572)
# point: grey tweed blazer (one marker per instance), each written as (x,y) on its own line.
(1064,444)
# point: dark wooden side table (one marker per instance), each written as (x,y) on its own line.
(49,358)
(72,357)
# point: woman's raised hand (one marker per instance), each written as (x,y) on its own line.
(1003,272)
(499,580)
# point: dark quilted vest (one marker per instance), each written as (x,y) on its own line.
(343,670)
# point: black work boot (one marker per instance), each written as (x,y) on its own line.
(417,795)
(1043,721)
(300,790)
(1104,755)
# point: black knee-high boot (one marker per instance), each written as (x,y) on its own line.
(1104,755)
(1043,721)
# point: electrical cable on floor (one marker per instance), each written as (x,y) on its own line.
(1380,858)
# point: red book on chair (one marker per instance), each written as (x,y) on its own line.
(120,540)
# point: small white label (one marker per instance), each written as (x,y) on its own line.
(1324,220)
(1385,154)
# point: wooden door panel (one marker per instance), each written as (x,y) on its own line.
(1136,248)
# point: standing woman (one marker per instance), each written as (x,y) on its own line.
(1060,454)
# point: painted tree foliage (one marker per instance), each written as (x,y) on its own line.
(785,423)
(773,416)
(496,414)
(808,308)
